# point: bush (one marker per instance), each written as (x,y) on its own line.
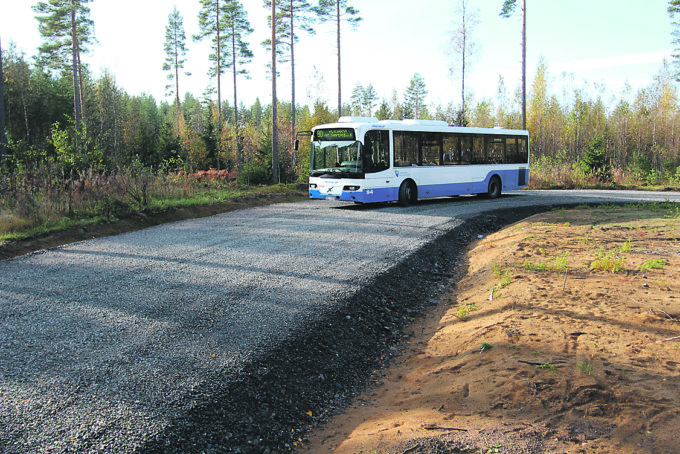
(255,173)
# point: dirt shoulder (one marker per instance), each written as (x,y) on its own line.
(555,339)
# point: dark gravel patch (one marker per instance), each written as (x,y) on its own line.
(274,401)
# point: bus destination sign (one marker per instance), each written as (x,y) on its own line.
(334,134)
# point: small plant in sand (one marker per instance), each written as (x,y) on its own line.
(535,266)
(548,367)
(626,247)
(485,346)
(464,310)
(562,263)
(503,275)
(609,262)
(654,264)
(585,368)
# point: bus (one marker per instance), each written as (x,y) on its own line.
(364,160)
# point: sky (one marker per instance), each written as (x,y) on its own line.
(585,44)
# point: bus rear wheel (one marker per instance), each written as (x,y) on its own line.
(494,189)
(407,193)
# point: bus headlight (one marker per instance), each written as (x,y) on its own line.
(312,185)
(351,188)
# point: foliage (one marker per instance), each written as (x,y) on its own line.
(594,161)
(585,368)
(609,262)
(414,99)
(464,310)
(175,50)
(653,264)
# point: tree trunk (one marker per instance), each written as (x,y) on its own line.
(3,137)
(176,68)
(524,65)
(275,154)
(337,13)
(76,86)
(239,147)
(292,72)
(219,88)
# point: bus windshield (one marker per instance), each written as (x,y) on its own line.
(335,159)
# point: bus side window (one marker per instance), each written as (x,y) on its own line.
(478,156)
(405,149)
(511,153)
(451,149)
(523,150)
(466,150)
(376,154)
(431,148)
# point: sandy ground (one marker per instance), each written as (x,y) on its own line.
(555,339)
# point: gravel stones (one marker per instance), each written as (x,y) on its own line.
(234,333)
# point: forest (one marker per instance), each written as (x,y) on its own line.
(73,143)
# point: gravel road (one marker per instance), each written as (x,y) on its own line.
(233,333)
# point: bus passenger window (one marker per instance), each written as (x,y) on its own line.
(511,153)
(466,150)
(451,150)
(405,149)
(523,150)
(431,148)
(376,152)
(478,156)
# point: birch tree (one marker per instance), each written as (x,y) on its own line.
(463,47)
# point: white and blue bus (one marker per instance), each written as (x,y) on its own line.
(364,160)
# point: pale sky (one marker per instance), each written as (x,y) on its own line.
(583,43)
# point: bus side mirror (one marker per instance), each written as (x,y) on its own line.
(296,144)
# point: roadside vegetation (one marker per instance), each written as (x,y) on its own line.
(124,155)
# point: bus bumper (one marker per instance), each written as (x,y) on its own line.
(363,196)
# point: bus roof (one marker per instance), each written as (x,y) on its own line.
(363,124)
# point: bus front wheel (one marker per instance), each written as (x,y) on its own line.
(494,187)
(407,193)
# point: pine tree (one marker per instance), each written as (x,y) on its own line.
(175,50)
(414,100)
(237,28)
(226,24)
(292,15)
(338,10)
(275,152)
(674,12)
(66,29)
(3,137)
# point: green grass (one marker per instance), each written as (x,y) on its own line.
(607,262)
(14,227)
(464,310)
(585,368)
(653,264)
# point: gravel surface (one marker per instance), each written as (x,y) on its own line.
(233,333)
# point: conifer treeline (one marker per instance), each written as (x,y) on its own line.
(639,131)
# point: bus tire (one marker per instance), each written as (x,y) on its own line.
(407,193)
(494,189)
